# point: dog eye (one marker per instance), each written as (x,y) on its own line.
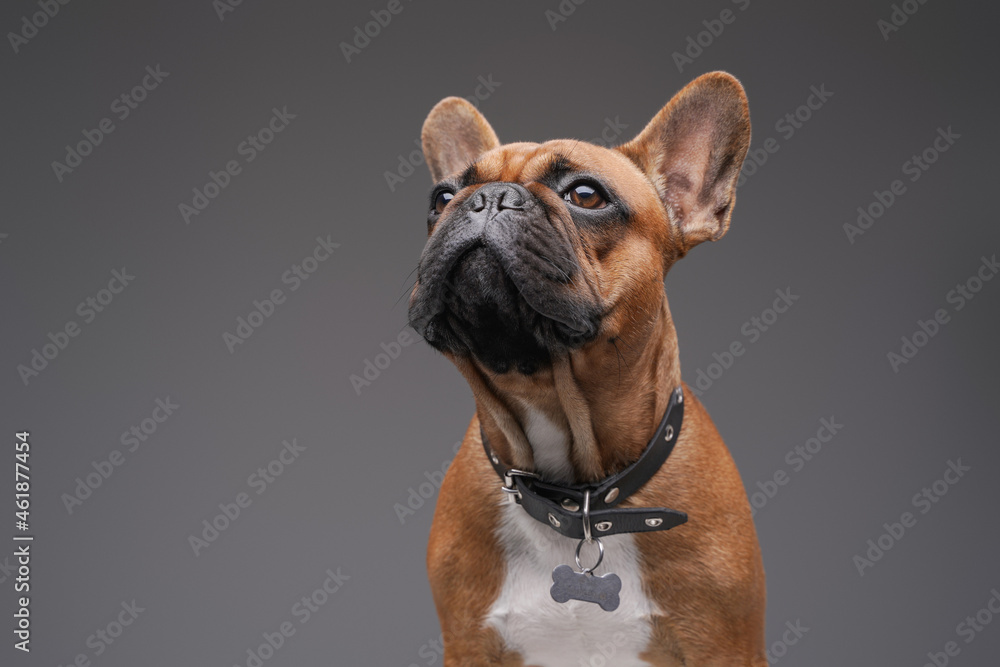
(585,196)
(442,200)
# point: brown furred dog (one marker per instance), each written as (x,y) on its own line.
(542,280)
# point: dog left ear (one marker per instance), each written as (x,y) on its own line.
(692,151)
(455,134)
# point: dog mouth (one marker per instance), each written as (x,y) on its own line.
(507,291)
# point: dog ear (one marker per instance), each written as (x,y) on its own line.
(455,134)
(692,152)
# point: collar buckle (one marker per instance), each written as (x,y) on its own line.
(513,494)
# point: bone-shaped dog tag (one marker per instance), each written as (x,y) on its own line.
(584,586)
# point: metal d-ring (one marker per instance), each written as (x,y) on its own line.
(600,556)
(586,521)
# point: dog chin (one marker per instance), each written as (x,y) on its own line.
(483,315)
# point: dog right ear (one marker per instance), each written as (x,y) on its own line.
(455,134)
(692,152)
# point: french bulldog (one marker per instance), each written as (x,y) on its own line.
(542,280)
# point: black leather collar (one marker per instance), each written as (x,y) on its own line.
(565,507)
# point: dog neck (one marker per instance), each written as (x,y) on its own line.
(590,414)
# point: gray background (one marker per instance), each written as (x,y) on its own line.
(324,175)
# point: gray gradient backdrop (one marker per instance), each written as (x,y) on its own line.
(324,175)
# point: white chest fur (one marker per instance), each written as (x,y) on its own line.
(549,444)
(573,634)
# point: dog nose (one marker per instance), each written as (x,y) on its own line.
(495,197)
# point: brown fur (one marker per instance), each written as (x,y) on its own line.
(678,179)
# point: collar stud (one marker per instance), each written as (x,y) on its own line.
(570,505)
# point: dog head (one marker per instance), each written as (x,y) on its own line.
(541,250)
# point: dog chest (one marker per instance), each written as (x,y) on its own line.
(552,634)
